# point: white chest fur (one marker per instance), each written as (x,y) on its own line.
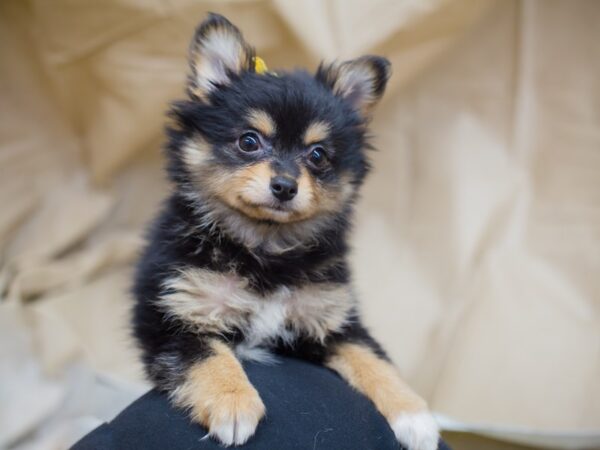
(218,303)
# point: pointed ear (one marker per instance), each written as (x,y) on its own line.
(360,81)
(218,53)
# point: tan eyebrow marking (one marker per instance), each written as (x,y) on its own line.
(316,131)
(262,121)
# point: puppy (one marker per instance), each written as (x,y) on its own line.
(248,257)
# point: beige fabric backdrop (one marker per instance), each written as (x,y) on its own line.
(477,246)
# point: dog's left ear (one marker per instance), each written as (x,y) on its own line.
(218,53)
(360,81)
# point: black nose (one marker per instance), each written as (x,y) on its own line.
(284,188)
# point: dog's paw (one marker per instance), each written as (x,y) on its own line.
(233,419)
(219,396)
(416,431)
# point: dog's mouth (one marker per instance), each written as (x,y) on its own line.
(272,212)
(277,209)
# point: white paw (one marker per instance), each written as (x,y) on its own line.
(416,431)
(233,431)
(235,420)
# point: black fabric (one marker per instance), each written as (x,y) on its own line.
(308,407)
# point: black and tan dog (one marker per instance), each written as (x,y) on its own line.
(249,256)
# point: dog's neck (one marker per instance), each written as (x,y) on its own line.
(273,261)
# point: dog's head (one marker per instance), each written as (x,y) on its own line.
(272,148)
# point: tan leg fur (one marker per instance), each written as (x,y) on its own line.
(220,397)
(380,381)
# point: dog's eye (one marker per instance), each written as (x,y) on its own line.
(317,156)
(249,142)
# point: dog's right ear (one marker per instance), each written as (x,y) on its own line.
(360,81)
(218,53)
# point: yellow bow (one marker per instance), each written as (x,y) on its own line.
(260,67)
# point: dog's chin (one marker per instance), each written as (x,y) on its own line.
(270,213)
(274,229)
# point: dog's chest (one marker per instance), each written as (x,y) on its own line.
(220,303)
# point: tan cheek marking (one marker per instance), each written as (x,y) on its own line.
(195,152)
(313,197)
(333,199)
(245,188)
(262,122)
(217,390)
(214,180)
(248,183)
(252,183)
(347,189)
(377,379)
(306,201)
(316,132)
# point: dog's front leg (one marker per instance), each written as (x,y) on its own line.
(360,365)
(218,394)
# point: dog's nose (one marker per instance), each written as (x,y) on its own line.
(284,188)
